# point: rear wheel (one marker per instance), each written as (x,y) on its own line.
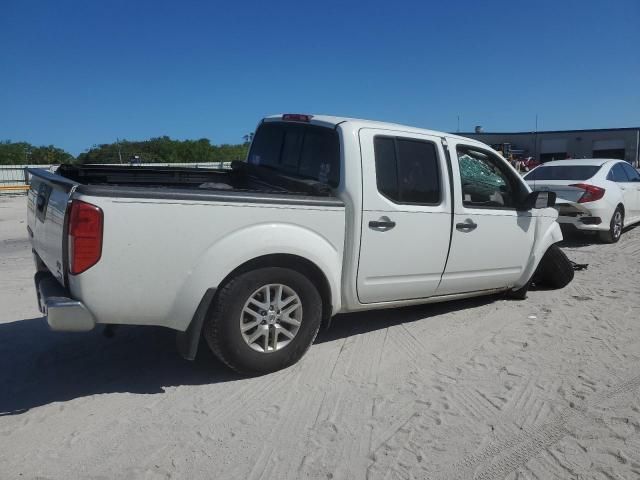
(264,320)
(615,227)
(555,269)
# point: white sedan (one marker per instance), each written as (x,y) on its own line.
(601,195)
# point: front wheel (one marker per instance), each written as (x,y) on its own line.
(555,269)
(264,320)
(520,293)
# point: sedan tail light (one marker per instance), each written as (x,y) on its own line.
(85,236)
(591,192)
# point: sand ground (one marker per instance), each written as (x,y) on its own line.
(488,388)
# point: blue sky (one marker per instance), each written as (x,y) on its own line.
(78,73)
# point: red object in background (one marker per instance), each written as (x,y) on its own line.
(530,163)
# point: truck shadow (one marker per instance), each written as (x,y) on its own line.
(346,325)
(40,367)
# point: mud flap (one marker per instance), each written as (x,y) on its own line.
(188,341)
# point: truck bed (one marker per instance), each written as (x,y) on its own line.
(50,193)
(168,235)
(180,181)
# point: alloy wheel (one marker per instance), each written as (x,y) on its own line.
(271,318)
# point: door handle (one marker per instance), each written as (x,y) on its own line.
(382,224)
(466,226)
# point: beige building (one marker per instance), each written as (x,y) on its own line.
(622,143)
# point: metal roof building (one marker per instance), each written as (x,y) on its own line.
(622,143)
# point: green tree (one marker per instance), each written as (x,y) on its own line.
(21,153)
(164,150)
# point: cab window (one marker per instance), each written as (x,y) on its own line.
(305,151)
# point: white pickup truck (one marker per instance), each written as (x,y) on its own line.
(327,215)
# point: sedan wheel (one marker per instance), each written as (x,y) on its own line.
(615,227)
(617,224)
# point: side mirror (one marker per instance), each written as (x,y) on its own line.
(539,200)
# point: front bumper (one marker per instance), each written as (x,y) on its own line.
(63,313)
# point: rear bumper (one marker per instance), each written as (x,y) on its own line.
(584,216)
(63,313)
(586,223)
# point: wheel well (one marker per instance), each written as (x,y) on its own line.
(621,207)
(294,262)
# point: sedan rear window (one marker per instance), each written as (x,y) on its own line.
(563,172)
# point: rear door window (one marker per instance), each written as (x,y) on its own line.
(617,174)
(631,172)
(418,175)
(407,170)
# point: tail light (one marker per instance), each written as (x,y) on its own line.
(85,236)
(591,192)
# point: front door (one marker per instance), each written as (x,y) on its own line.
(491,241)
(406,216)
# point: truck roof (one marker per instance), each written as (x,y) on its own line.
(358,123)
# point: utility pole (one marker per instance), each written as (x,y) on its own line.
(535,141)
(637,165)
(119,153)
(458,130)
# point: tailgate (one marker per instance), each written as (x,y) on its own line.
(46,208)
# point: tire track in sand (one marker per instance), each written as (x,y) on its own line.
(503,456)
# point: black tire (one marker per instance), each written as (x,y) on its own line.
(520,293)
(555,269)
(613,234)
(222,326)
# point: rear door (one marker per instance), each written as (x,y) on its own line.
(628,188)
(406,218)
(491,240)
(633,186)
